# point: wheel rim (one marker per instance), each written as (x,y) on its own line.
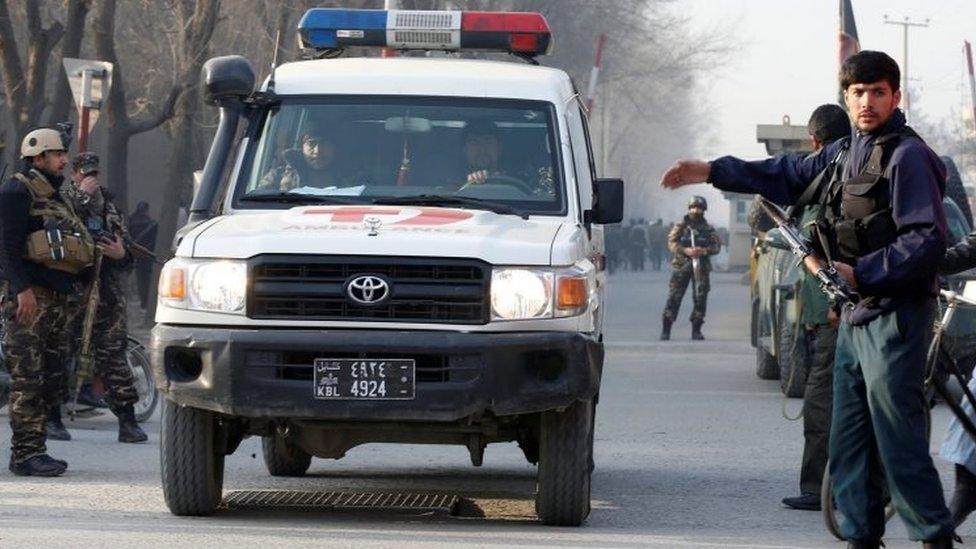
(142,380)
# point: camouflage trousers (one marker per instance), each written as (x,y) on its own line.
(680,280)
(108,344)
(34,356)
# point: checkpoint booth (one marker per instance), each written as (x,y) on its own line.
(778,139)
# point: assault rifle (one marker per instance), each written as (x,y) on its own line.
(836,288)
(84,366)
(695,266)
(135,248)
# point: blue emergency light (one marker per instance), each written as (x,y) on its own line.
(520,33)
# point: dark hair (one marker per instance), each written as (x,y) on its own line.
(480,128)
(868,67)
(828,123)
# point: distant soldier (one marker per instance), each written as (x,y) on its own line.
(657,243)
(144,231)
(110,336)
(691,241)
(43,247)
(636,245)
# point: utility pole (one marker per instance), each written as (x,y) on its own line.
(972,79)
(904,67)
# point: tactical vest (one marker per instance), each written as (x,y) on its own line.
(857,212)
(63,244)
(703,239)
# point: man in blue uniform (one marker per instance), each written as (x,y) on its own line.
(884,229)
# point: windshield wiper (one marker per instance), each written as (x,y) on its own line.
(298,198)
(447,200)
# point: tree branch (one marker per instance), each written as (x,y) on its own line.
(165,112)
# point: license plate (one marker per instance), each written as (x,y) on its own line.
(364,379)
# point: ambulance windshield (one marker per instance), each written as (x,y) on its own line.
(362,151)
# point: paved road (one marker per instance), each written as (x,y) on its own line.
(691,450)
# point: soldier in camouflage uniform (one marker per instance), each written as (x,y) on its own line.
(109,336)
(43,248)
(706,244)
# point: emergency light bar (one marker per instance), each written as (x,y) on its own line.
(520,33)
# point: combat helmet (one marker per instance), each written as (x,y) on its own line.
(698,201)
(40,141)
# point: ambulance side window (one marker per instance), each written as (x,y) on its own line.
(582,157)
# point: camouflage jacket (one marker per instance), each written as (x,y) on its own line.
(100,216)
(960,257)
(680,238)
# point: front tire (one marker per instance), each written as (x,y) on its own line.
(192,467)
(766,365)
(565,465)
(284,458)
(793,360)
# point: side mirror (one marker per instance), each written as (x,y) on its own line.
(774,239)
(608,202)
(226,77)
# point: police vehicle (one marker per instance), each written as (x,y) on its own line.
(398,250)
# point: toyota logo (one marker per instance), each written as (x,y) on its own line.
(368,290)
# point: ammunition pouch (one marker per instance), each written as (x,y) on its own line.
(67,251)
(59,251)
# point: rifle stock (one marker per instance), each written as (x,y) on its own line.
(85,362)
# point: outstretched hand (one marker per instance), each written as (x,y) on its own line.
(686,172)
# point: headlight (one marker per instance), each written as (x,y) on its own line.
(204,285)
(525,294)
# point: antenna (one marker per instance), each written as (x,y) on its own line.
(274,61)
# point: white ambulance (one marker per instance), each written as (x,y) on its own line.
(395,250)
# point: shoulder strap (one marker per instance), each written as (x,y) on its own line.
(883,147)
(826,176)
(39,187)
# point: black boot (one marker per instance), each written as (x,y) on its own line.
(88,398)
(129,430)
(696,333)
(54,427)
(38,466)
(665,330)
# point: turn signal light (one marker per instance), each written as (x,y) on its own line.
(571,293)
(172,283)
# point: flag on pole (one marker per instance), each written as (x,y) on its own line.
(848,43)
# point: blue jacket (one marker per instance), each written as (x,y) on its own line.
(906,268)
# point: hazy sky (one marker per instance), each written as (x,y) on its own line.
(786,60)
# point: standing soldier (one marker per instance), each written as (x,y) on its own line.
(827,124)
(109,336)
(144,230)
(657,238)
(44,248)
(691,241)
(884,231)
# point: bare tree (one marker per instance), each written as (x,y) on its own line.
(25,78)
(123,124)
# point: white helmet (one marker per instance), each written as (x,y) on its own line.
(41,140)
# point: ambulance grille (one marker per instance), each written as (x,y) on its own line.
(443,291)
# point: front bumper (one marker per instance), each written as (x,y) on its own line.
(267,373)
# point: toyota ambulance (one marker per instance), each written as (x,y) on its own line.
(401,249)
